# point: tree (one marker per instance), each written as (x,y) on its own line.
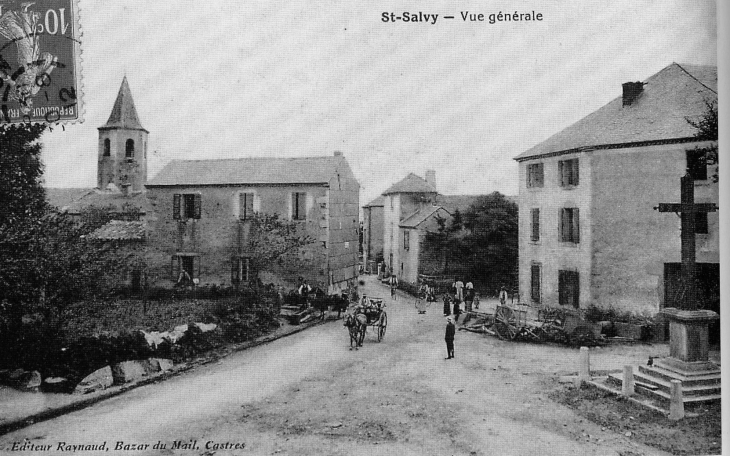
(47,263)
(481,244)
(22,195)
(270,238)
(491,223)
(707,130)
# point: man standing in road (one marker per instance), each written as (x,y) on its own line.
(393,286)
(450,332)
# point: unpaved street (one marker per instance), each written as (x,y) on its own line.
(309,394)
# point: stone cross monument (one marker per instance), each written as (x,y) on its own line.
(688,326)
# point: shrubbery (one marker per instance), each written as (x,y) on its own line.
(65,353)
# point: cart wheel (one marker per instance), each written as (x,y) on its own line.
(504,323)
(381,328)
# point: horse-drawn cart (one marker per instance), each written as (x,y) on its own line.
(374,310)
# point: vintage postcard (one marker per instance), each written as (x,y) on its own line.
(374,228)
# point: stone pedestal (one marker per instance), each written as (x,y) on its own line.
(688,340)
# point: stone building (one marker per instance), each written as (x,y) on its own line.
(588,230)
(372,228)
(204,208)
(401,200)
(195,214)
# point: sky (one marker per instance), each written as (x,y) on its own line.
(224,79)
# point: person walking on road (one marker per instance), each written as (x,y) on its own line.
(447,305)
(449,338)
(503,295)
(459,288)
(393,286)
(468,301)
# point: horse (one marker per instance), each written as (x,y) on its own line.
(356,324)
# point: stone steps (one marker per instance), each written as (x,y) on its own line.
(655,381)
(702,378)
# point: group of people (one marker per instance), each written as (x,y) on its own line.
(460,293)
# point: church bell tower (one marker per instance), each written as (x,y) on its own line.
(123,146)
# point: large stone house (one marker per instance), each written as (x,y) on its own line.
(204,208)
(588,233)
(195,214)
(412,207)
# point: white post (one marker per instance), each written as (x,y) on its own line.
(676,405)
(584,373)
(627,387)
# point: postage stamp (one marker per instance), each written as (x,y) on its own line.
(40,71)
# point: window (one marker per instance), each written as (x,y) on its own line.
(186,206)
(568,172)
(568,288)
(697,164)
(701,226)
(568,225)
(129,151)
(184,267)
(107,147)
(245,206)
(240,270)
(406,240)
(535,232)
(535,177)
(535,282)
(298,206)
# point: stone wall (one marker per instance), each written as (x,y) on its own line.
(549,252)
(632,240)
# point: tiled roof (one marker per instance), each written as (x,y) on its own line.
(118,230)
(302,170)
(658,114)
(124,114)
(411,184)
(114,201)
(420,216)
(63,197)
(379,201)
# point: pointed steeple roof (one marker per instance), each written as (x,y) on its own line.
(124,114)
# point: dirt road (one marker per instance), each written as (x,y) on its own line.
(308,394)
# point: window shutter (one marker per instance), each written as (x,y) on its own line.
(540,175)
(302,209)
(176,206)
(576,290)
(196,259)
(576,225)
(535,224)
(294,207)
(249,205)
(561,288)
(561,224)
(196,206)
(561,173)
(575,171)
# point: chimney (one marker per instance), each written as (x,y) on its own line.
(431,177)
(338,153)
(632,90)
